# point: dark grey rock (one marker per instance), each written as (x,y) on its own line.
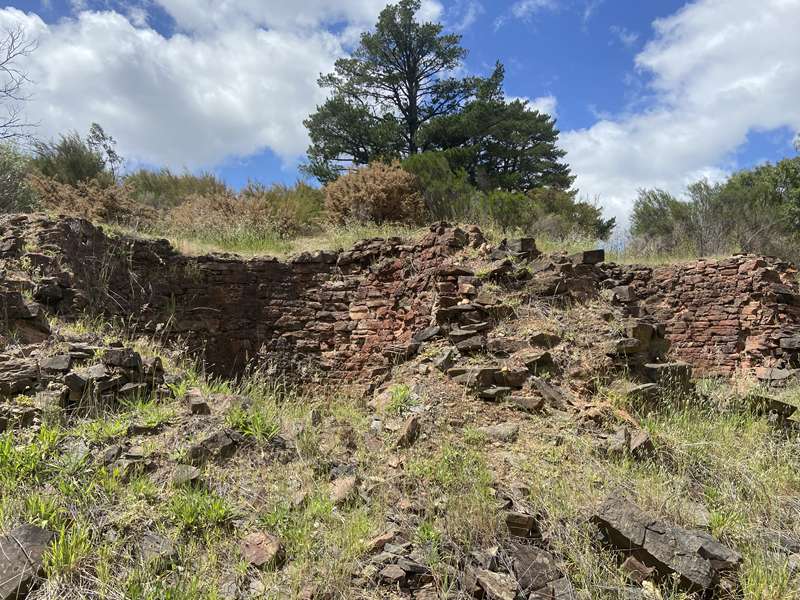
(695,556)
(21,552)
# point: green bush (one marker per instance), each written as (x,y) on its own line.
(559,216)
(165,189)
(379,193)
(508,210)
(448,195)
(71,161)
(295,210)
(16,193)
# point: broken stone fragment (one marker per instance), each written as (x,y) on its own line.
(125,358)
(533,567)
(511,377)
(527,403)
(392,574)
(474,343)
(343,490)
(155,549)
(377,543)
(673,378)
(552,395)
(221,444)
(185,474)
(589,257)
(59,363)
(494,393)
(21,553)
(502,432)
(637,571)
(262,549)
(768,405)
(560,589)
(445,360)
(409,432)
(521,524)
(197,403)
(538,362)
(503,346)
(426,334)
(497,586)
(544,340)
(18,375)
(475,377)
(696,557)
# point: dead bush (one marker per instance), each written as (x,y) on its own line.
(259,211)
(92,200)
(378,193)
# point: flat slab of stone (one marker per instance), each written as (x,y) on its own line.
(695,556)
(21,552)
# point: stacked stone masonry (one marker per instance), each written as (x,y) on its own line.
(352,314)
(720,315)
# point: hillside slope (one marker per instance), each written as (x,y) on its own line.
(434,418)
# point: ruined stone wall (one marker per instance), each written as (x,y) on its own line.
(720,315)
(351,314)
(348,313)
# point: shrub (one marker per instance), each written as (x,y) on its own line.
(16,193)
(448,195)
(92,200)
(294,210)
(164,189)
(258,213)
(71,161)
(508,210)
(559,216)
(378,193)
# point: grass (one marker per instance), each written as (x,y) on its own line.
(711,450)
(247,242)
(198,510)
(402,400)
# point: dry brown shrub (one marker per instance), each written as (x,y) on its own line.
(258,211)
(378,193)
(91,200)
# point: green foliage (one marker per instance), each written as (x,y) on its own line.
(70,548)
(508,209)
(501,144)
(260,421)
(560,216)
(395,82)
(401,401)
(259,218)
(165,189)
(448,194)
(16,194)
(25,462)
(756,211)
(198,510)
(71,160)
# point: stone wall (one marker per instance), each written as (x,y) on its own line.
(720,315)
(348,314)
(351,314)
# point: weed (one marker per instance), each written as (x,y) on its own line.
(69,549)
(402,400)
(197,509)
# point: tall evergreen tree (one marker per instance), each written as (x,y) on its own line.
(502,144)
(396,81)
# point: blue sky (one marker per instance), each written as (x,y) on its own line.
(646,93)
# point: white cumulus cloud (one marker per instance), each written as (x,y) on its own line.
(719,70)
(239,78)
